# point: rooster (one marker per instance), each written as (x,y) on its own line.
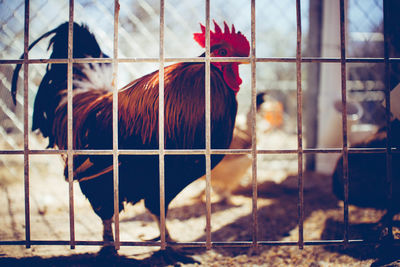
(184,128)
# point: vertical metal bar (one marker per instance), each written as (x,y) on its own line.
(299,127)
(253,124)
(70,125)
(389,178)
(208,129)
(344,120)
(26,127)
(314,48)
(161,127)
(115,127)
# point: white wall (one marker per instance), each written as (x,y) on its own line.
(329,121)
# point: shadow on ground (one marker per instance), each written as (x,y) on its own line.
(166,257)
(385,253)
(275,222)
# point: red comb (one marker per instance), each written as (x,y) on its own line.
(236,39)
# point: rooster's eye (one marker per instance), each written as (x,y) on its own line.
(222,52)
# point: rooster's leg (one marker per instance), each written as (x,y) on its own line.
(107,231)
(171,255)
(109,248)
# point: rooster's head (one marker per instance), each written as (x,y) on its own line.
(227,43)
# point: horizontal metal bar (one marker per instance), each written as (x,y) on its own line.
(85,242)
(200,59)
(201,151)
(20,152)
(325,60)
(122,60)
(34,61)
(196,244)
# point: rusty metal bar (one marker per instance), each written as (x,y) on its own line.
(26,127)
(70,125)
(389,170)
(199,59)
(115,128)
(161,145)
(351,150)
(208,127)
(199,244)
(324,60)
(344,119)
(299,129)
(254,125)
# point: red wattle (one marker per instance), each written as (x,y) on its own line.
(231,76)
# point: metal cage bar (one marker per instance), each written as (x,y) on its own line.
(197,59)
(161,145)
(344,119)
(26,127)
(202,151)
(389,174)
(208,126)
(70,153)
(254,125)
(115,127)
(199,244)
(299,128)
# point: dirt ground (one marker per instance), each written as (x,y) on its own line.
(277,220)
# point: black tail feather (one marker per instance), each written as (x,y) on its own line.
(18,68)
(55,79)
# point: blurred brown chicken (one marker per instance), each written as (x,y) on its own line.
(229,173)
